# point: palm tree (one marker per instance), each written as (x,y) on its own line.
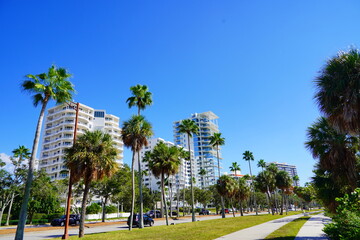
(335,151)
(296,180)
(202,172)
(283,182)
(248,156)
(135,133)
(45,86)
(21,153)
(338,91)
(243,193)
(140,98)
(164,161)
(189,127)
(226,186)
(235,167)
(92,157)
(262,164)
(216,140)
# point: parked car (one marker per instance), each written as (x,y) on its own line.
(151,213)
(226,210)
(147,220)
(204,212)
(73,220)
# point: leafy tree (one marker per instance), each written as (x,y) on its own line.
(164,161)
(91,158)
(5,192)
(338,91)
(226,186)
(93,208)
(248,156)
(123,194)
(135,133)
(45,86)
(204,197)
(189,127)
(216,140)
(140,98)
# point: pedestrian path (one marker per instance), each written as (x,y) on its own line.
(312,229)
(260,231)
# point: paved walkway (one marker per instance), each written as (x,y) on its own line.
(312,229)
(260,231)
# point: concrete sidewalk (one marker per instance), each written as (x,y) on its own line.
(260,231)
(312,229)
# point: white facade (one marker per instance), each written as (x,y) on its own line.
(59,132)
(178,181)
(204,153)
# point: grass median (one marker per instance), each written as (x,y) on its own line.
(201,230)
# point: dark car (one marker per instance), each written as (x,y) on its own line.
(151,213)
(73,220)
(147,220)
(204,212)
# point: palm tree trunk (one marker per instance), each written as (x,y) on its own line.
(141,220)
(24,206)
(241,208)
(163,195)
(133,191)
(83,208)
(221,197)
(282,203)
(184,201)
(191,185)
(253,188)
(170,193)
(232,207)
(9,211)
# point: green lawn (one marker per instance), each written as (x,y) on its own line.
(201,230)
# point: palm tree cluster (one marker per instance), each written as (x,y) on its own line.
(333,138)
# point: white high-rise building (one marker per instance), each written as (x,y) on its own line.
(290,169)
(58,135)
(205,153)
(178,181)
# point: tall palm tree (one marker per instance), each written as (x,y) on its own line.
(135,133)
(189,127)
(338,91)
(248,156)
(262,164)
(283,182)
(53,85)
(164,161)
(336,152)
(92,157)
(216,140)
(235,167)
(140,98)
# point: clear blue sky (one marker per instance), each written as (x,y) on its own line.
(250,62)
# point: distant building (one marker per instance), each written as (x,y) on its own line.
(291,169)
(200,143)
(58,135)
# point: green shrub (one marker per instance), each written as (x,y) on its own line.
(94,208)
(111,209)
(346,221)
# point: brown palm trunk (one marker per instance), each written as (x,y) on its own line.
(104,210)
(133,191)
(83,208)
(191,185)
(163,195)
(24,206)
(141,220)
(241,208)
(221,197)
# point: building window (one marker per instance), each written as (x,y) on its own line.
(100,114)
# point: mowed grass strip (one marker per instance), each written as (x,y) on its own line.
(288,231)
(201,230)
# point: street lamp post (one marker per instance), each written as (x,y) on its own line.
(66,230)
